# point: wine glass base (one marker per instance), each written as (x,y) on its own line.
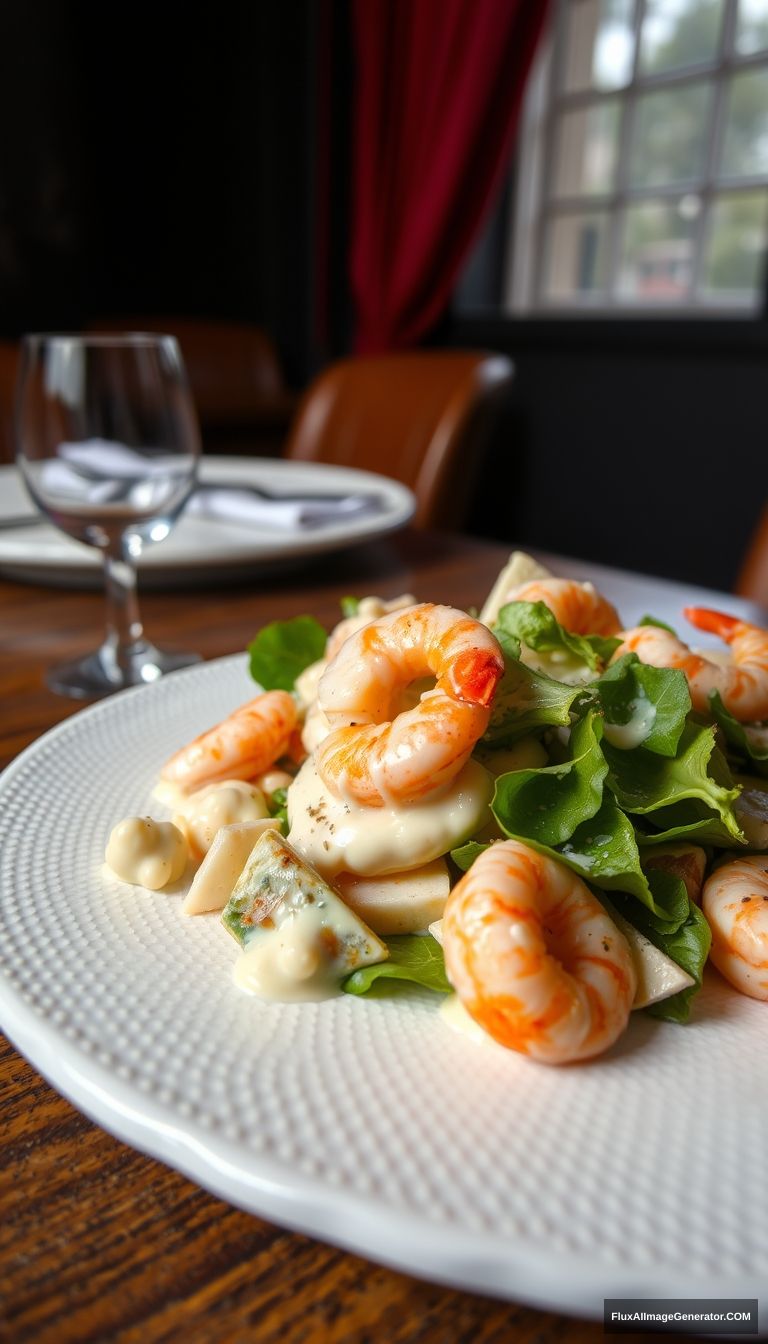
(100,674)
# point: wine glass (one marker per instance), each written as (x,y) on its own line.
(108,444)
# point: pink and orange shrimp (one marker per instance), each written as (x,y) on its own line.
(577,606)
(742,682)
(374,755)
(735,903)
(245,744)
(534,957)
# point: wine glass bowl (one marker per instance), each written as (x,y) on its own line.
(108,444)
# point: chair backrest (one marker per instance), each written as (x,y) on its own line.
(422,417)
(9,363)
(234,373)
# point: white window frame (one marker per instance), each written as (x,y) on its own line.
(533,204)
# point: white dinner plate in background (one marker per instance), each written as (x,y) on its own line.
(371,1125)
(205,548)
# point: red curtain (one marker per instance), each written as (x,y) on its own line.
(438,90)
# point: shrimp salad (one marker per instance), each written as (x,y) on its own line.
(548,819)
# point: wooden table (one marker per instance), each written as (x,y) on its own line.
(99,1243)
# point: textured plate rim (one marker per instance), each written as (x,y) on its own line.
(494,1264)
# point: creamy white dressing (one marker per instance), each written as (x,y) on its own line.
(294,961)
(221,804)
(559,664)
(146,852)
(337,836)
(637,728)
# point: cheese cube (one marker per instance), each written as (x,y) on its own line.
(398,902)
(215,878)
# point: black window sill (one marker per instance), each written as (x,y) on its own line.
(628,336)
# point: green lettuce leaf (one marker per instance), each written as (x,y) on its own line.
(537,627)
(282,650)
(349,605)
(741,738)
(659,695)
(661,625)
(278,807)
(548,804)
(688,945)
(644,782)
(466,854)
(414,959)
(690,821)
(527,700)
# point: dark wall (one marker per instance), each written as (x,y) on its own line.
(653,462)
(157,159)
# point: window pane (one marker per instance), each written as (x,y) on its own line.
(669,136)
(752,26)
(735,253)
(587,141)
(599,44)
(657,250)
(677,33)
(745,146)
(577,253)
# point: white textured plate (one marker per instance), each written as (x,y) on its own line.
(369,1124)
(203,547)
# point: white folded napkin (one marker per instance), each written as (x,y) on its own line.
(108,460)
(238,505)
(100,471)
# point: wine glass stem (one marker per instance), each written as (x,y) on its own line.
(125,632)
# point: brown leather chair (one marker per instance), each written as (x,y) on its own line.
(235,375)
(9,363)
(423,418)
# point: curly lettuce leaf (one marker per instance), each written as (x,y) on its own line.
(644,782)
(654,700)
(538,628)
(282,649)
(413,959)
(690,821)
(745,741)
(547,804)
(527,700)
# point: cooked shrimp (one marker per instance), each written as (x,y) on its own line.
(534,957)
(735,902)
(577,606)
(742,682)
(375,755)
(368,609)
(239,747)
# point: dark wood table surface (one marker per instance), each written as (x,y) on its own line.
(100,1243)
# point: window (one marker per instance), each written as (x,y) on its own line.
(642,182)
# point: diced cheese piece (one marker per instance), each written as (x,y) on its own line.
(684,861)
(279,897)
(398,902)
(519,569)
(658,976)
(751,808)
(215,879)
